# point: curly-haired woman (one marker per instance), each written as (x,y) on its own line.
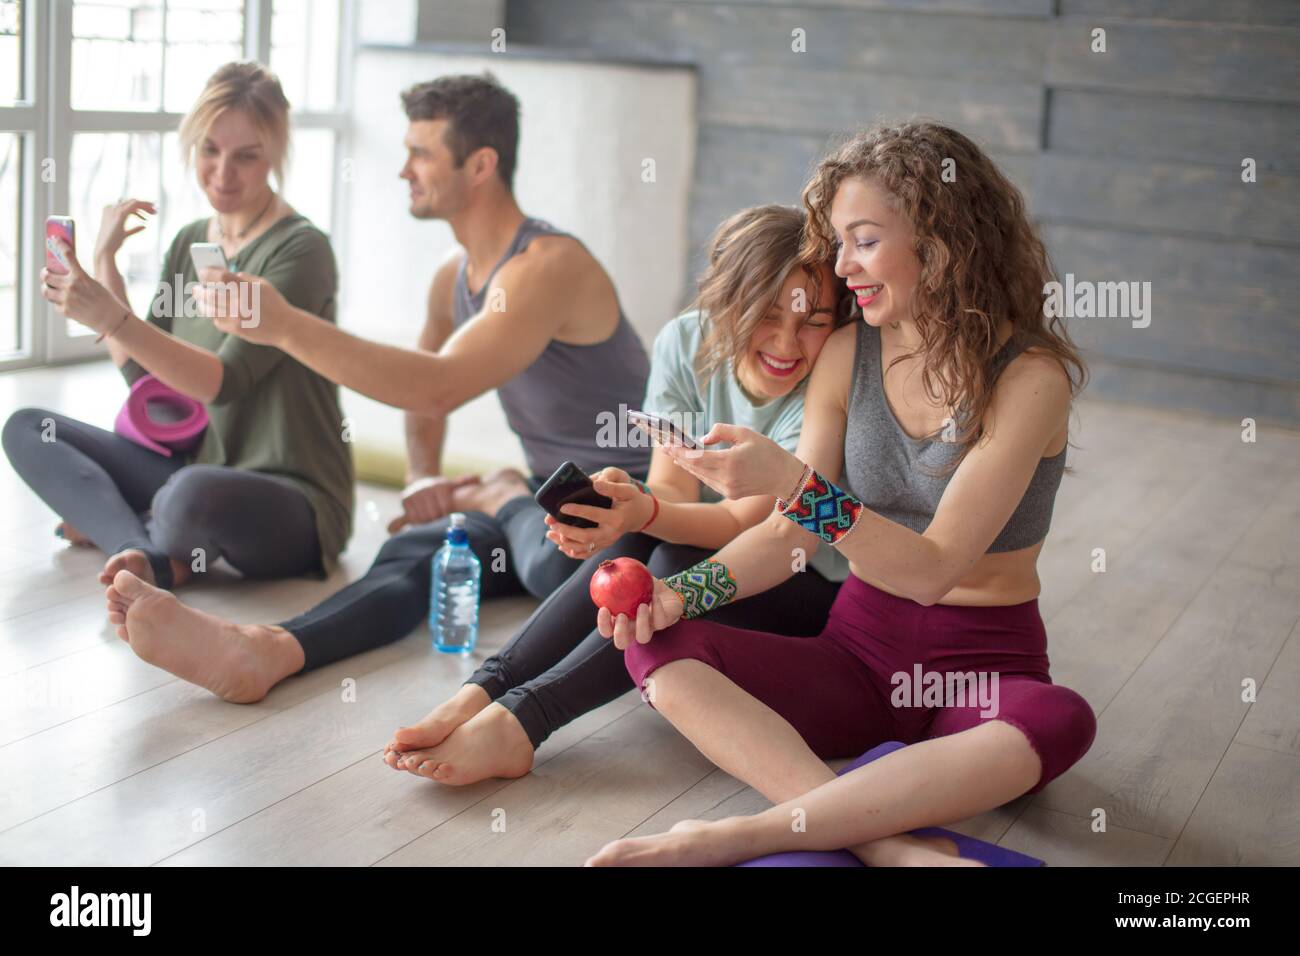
(934,440)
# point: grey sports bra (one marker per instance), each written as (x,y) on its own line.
(903,478)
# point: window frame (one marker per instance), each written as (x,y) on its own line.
(48,122)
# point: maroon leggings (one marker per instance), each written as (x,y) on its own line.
(887,668)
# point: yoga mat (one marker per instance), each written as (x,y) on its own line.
(160,418)
(967,847)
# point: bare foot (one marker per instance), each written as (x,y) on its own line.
(68,533)
(137,563)
(237,662)
(688,843)
(437,724)
(491,744)
(724,842)
(488,495)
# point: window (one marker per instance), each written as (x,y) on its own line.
(150,54)
(91,94)
(11,45)
(18,125)
(10,234)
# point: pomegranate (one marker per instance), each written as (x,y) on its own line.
(622,585)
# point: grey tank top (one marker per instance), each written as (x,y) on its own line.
(902,478)
(558,404)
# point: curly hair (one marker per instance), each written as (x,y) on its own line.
(751,253)
(982,261)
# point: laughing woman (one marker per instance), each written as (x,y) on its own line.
(743,354)
(270,486)
(934,440)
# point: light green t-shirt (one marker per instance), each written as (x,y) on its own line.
(674,391)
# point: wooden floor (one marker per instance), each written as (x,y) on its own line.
(106,760)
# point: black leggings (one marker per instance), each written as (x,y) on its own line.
(558,667)
(103,484)
(393,596)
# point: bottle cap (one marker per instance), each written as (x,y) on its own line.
(457,519)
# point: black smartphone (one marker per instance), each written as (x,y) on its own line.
(570,485)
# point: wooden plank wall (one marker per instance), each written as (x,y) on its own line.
(1131,160)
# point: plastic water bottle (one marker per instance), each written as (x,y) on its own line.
(453,604)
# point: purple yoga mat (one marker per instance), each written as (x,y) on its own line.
(967,847)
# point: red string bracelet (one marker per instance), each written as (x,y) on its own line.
(654,514)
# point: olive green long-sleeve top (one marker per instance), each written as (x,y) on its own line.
(273,414)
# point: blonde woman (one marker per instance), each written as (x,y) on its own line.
(270,487)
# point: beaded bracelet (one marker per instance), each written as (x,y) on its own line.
(703,587)
(824,509)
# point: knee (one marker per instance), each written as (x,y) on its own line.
(23,428)
(1061,726)
(646,663)
(189,508)
(545,570)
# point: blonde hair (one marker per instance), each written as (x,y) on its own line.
(751,254)
(246,86)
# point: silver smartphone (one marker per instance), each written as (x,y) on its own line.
(661,429)
(208,255)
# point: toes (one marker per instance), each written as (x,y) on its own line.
(423,734)
(130,586)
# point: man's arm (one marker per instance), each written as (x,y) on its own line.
(425,433)
(526,305)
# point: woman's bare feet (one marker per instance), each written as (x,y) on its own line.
(237,662)
(688,843)
(435,727)
(491,744)
(137,563)
(70,534)
(488,495)
(731,840)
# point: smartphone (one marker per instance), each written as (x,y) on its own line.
(570,485)
(208,255)
(662,430)
(64,228)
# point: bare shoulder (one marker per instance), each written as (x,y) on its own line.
(552,261)
(833,373)
(1035,395)
(1035,374)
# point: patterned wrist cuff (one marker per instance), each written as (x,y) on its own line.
(824,509)
(704,587)
(783,504)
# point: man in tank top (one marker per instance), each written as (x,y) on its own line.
(520,307)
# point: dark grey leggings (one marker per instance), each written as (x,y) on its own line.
(558,667)
(103,484)
(393,596)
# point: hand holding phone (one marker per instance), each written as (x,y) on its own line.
(208,255)
(662,430)
(61,228)
(570,485)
